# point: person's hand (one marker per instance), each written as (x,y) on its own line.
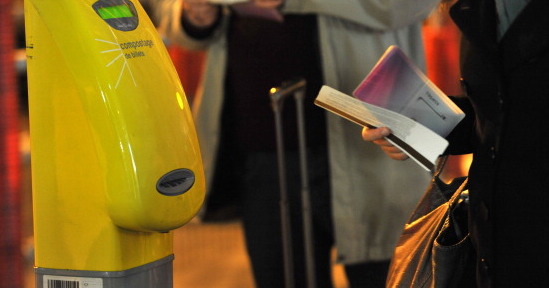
(200,13)
(273,4)
(376,136)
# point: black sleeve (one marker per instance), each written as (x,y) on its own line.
(463,138)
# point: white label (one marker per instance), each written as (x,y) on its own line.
(51,281)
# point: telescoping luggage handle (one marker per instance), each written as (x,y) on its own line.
(277,95)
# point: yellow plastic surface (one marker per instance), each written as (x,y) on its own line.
(108,118)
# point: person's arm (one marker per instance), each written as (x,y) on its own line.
(270,4)
(193,24)
(199,19)
(462,139)
(374,14)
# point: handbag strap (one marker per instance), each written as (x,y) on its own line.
(441,162)
(454,199)
(460,197)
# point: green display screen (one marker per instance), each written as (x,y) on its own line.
(111,12)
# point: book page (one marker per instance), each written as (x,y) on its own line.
(417,141)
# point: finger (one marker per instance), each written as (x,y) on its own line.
(394,152)
(373,134)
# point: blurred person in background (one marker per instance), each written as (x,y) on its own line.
(366,196)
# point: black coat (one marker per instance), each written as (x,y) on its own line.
(507,83)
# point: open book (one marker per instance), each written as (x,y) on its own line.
(396,94)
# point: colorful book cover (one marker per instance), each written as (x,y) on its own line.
(397,84)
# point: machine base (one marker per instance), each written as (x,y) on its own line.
(157,274)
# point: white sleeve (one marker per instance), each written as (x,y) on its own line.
(374,14)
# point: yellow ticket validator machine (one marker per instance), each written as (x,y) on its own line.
(116,164)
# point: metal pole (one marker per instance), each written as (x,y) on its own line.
(277,95)
(284,209)
(305,193)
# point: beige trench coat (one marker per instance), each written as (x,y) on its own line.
(372,194)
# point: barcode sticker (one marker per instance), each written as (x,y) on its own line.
(71,282)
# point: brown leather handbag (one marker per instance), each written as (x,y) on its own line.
(434,249)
